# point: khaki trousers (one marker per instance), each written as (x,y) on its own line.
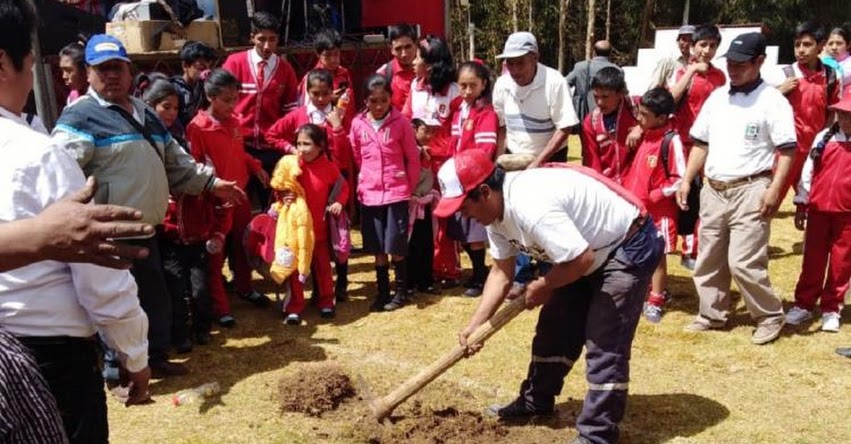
(733,243)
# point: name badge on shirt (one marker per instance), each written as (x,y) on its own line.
(751,132)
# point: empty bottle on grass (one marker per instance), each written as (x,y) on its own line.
(193,395)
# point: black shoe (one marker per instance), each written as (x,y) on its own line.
(227,320)
(183,346)
(448,283)
(844,352)
(327,313)
(377,305)
(516,410)
(256,298)
(203,338)
(429,289)
(474,290)
(165,369)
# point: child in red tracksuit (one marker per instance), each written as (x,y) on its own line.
(824,206)
(655,182)
(611,132)
(214,134)
(327,44)
(319,110)
(474,126)
(318,177)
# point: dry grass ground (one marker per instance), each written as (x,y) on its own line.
(686,388)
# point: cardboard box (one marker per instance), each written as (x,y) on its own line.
(154,35)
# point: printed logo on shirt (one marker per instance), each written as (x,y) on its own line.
(751,132)
(536,253)
(652,161)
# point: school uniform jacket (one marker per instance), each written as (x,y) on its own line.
(281,136)
(646,177)
(341,75)
(221,144)
(696,94)
(478,130)
(604,152)
(826,184)
(809,102)
(318,178)
(400,82)
(259,106)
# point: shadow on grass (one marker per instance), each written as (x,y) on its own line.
(650,419)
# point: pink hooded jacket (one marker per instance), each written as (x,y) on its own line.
(388,159)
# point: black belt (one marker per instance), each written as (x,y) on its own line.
(52,341)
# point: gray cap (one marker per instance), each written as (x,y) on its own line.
(686,30)
(518,45)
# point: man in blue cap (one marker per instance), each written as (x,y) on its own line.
(121,141)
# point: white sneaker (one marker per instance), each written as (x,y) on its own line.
(797,315)
(830,321)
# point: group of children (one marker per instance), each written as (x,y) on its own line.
(661,120)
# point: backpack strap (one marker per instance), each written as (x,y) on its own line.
(388,71)
(665,152)
(832,81)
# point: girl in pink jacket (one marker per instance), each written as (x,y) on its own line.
(385,151)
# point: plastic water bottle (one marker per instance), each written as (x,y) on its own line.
(193,395)
(343,101)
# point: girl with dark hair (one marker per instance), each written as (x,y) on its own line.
(385,149)
(72,63)
(837,50)
(321,111)
(319,178)
(214,135)
(474,126)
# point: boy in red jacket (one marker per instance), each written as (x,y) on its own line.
(811,87)
(655,181)
(269,87)
(692,86)
(327,45)
(611,132)
(824,206)
(400,70)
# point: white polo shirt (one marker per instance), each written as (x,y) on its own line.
(532,113)
(743,131)
(554,214)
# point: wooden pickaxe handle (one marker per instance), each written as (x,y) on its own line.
(382,407)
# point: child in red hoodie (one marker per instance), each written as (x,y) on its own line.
(318,177)
(824,206)
(214,134)
(319,110)
(654,182)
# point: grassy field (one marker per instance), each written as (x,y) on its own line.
(686,388)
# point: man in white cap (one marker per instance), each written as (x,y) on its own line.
(603,248)
(533,103)
(663,75)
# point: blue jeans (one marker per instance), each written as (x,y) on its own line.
(524,270)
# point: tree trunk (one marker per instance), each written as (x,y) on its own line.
(531,22)
(589,36)
(609,20)
(514,14)
(646,17)
(563,7)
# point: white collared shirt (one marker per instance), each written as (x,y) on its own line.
(531,114)
(743,131)
(318,116)
(51,298)
(271,64)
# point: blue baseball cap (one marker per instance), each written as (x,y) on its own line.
(102,48)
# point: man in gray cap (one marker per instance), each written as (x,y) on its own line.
(532,102)
(580,78)
(663,75)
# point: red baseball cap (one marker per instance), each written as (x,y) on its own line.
(460,174)
(843,105)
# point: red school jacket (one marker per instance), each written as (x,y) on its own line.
(809,102)
(607,152)
(701,87)
(318,178)
(221,143)
(830,189)
(341,76)
(478,130)
(259,106)
(282,137)
(646,177)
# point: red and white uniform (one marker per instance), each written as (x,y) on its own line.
(698,91)
(221,144)
(825,192)
(282,135)
(318,178)
(605,150)
(341,76)
(474,126)
(646,178)
(809,102)
(262,103)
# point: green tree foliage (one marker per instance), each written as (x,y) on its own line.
(493,20)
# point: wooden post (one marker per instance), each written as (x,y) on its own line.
(589,36)
(45,97)
(609,20)
(563,7)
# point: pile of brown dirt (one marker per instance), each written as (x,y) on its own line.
(446,426)
(314,389)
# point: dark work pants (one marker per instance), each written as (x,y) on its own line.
(599,312)
(269,159)
(185,268)
(154,299)
(420,260)
(72,370)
